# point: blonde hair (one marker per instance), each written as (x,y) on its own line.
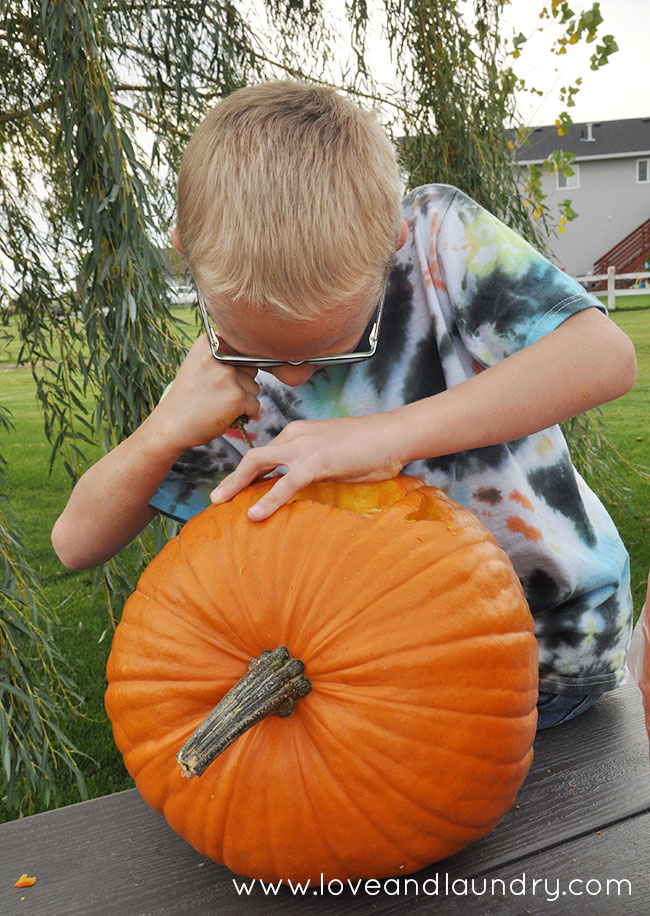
(289,198)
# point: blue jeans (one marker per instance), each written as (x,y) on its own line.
(553,708)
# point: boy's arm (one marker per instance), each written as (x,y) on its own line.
(109,505)
(584,362)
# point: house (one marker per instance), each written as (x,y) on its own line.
(609,189)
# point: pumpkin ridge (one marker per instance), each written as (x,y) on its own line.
(371,702)
(420,803)
(193,626)
(249,750)
(443,712)
(333,627)
(332,676)
(233,763)
(513,768)
(181,725)
(355,526)
(280,593)
(134,695)
(190,558)
(302,771)
(152,756)
(146,630)
(359,693)
(231,856)
(314,578)
(216,686)
(229,832)
(177,609)
(442,639)
(447,563)
(148,587)
(306,574)
(337,629)
(343,790)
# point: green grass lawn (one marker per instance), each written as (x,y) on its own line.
(85,636)
(630,303)
(628,425)
(633,303)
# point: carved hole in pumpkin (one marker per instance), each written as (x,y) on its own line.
(363,499)
(427,511)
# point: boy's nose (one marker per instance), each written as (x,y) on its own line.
(293,375)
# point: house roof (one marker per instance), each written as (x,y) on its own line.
(626,137)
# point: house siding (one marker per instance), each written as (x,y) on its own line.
(610,204)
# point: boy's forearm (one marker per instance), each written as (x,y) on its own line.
(109,505)
(585,362)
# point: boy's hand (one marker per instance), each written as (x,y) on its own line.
(345,449)
(205,399)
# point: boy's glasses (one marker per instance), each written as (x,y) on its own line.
(260,362)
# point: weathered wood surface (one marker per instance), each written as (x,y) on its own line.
(582,816)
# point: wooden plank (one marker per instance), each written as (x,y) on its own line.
(605,873)
(115,856)
(173,879)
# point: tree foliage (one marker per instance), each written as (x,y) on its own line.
(99,98)
(33,685)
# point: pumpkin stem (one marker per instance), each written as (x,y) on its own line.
(271,686)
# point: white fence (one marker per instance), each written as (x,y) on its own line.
(611,276)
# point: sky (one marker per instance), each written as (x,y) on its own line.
(621,89)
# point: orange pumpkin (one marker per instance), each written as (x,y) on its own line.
(420,675)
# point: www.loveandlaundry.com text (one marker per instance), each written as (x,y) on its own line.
(524,885)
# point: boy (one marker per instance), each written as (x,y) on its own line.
(289,215)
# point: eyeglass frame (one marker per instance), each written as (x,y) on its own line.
(259,362)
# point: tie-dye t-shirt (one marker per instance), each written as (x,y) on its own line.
(464,292)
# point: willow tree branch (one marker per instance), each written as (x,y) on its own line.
(7,116)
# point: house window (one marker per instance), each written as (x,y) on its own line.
(643,171)
(566,182)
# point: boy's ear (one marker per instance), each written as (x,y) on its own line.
(176,241)
(403,234)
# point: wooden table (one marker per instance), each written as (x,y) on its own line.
(582,821)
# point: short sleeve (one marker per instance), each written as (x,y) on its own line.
(186,489)
(504,294)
